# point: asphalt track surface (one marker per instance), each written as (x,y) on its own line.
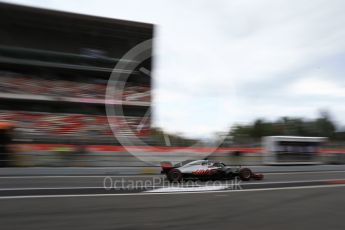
(281,201)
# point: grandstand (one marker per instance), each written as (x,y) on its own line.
(54,68)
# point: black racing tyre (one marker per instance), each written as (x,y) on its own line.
(174,175)
(245,174)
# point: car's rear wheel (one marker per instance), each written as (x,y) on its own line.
(245,174)
(174,175)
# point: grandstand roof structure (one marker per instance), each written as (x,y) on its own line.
(50,30)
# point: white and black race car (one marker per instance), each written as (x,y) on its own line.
(206,170)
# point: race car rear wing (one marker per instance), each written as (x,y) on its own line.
(166,166)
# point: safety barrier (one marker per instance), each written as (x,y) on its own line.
(53,155)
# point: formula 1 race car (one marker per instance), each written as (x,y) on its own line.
(206,170)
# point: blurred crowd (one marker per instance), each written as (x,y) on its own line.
(54,87)
(55,125)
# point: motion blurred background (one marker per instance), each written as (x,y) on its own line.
(257,85)
(54,70)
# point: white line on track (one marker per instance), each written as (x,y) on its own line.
(70,188)
(156,175)
(78,176)
(52,188)
(292,181)
(188,189)
(165,186)
(301,172)
(174,193)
